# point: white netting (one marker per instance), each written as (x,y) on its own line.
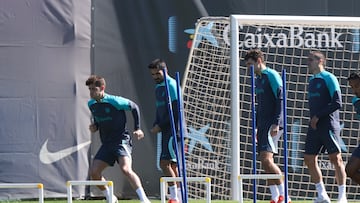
(206,92)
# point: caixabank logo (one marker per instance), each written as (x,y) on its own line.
(291,36)
(294,37)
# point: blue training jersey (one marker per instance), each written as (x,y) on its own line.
(162,113)
(268,88)
(110,117)
(324,97)
(356,103)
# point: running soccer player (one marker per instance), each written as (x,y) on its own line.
(109,116)
(353,165)
(269,120)
(324,103)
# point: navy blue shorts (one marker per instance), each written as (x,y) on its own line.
(110,153)
(167,147)
(320,140)
(266,142)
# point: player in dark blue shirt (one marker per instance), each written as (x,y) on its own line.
(353,165)
(162,124)
(108,112)
(324,103)
(269,120)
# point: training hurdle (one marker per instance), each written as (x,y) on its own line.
(255,176)
(70,183)
(205,180)
(39,186)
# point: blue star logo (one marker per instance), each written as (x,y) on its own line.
(199,136)
(205,33)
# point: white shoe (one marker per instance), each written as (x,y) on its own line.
(146,201)
(322,200)
(342,200)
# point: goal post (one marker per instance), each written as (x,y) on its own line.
(217,103)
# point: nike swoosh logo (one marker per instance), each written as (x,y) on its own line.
(47,157)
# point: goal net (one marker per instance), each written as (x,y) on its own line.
(286,42)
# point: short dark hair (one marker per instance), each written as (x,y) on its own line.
(254,54)
(354,76)
(157,64)
(98,81)
(318,55)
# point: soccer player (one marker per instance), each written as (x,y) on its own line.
(269,121)
(353,165)
(324,99)
(168,162)
(109,116)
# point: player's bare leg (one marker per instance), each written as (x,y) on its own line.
(167,168)
(340,175)
(125,164)
(352,169)
(267,162)
(95,171)
(316,177)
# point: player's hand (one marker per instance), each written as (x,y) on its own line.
(274,130)
(139,134)
(156,129)
(93,128)
(313,122)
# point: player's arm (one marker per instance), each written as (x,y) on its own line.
(334,105)
(135,113)
(335,93)
(277,90)
(94,126)
(138,133)
(165,121)
(278,106)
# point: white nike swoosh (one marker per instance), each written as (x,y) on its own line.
(47,157)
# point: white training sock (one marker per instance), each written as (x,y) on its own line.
(106,192)
(281,189)
(320,188)
(173,192)
(141,194)
(342,191)
(274,192)
(179,194)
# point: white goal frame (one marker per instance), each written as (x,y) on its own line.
(235,22)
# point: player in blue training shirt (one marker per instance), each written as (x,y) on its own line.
(109,116)
(353,165)
(162,124)
(324,103)
(269,120)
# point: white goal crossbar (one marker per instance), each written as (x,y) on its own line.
(70,183)
(255,176)
(205,180)
(39,186)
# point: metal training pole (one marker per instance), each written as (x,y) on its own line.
(285,135)
(253,123)
(171,117)
(181,128)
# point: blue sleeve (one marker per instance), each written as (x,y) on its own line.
(165,122)
(335,94)
(275,82)
(122,103)
(276,87)
(172,90)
